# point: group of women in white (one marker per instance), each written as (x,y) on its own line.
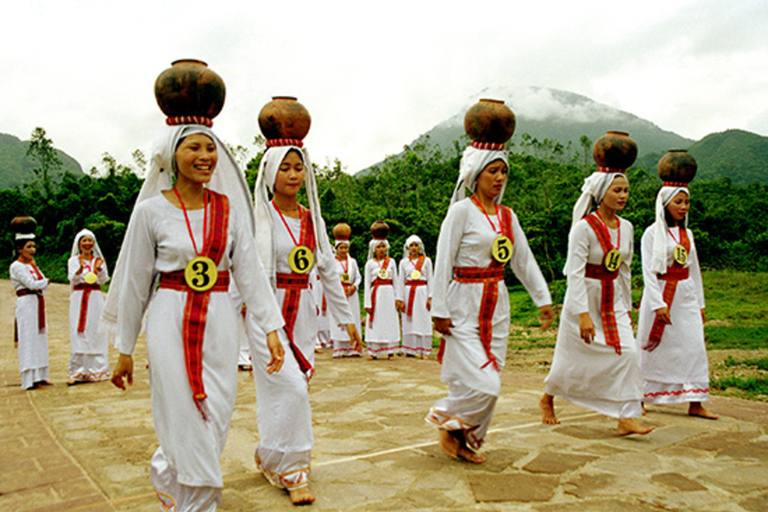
(195,233)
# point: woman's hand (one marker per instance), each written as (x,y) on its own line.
(662,315)
(400,306)
(349,290)
(81,259)
(369,311)
(586,328)
(354,338)
(443,325)
(546,315)
(429,304)
(703,316)
(123,370)
(97,265)
(276,351)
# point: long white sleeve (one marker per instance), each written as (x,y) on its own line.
(652,292)
(526,268)
(451,232)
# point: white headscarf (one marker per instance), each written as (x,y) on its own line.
(659,256)
(265,185)
(593,189)
(372,246)
(409,241)
(337,242)
(473,161)
(76,244)
(227,179)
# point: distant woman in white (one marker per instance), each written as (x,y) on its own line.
(350,281)
(191,332)
(416,280)
(289,237)
(30,284)
(674,357)
(383,293)
(596,363)
(470,302)
(87,271)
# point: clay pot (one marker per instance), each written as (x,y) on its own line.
(615,150)
(677,166)
(342,231)
(380,229)
(23,224)
(489,121)
(189,88)
(284,118)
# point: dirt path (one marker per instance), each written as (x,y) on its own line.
(87,447)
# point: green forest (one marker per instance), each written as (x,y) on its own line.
(410,191)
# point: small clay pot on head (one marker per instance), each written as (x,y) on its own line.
(380,229)
(190,88)
(489,121)
(677,166)
(615,150)
(342,231)
(284,118)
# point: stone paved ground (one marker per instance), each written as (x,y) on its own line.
(87,447)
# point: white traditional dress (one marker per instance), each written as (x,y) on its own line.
(339,334)
(185,469)
(282,399)
(30,284)
(595,375)
(89,361)
(676,370)
(382,327)
(416,281)
(323,318)
(473,378)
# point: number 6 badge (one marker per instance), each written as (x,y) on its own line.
(301,259)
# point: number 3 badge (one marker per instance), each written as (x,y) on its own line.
(301,259)
(201,274)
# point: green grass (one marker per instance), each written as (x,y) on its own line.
(723,337)
(751,385)
(760,364)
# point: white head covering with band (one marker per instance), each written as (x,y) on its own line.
(338,241)
(24,236)
(475,158)
(76,244)
(265,185)
(373,244)
(411,239)
(227,179)
(663,198)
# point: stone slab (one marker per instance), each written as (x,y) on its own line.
(512,487)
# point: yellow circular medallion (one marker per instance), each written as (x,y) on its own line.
(680,254)
(301,259)
(383,274)
(612,260)
(201,274)
(344,277)
(90,278)
(415,275)
(502,249)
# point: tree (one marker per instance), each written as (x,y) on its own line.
(41,149)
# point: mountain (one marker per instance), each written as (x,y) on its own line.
(16,168)
(562,116)
(740,155)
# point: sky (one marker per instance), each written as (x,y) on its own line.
(374,75)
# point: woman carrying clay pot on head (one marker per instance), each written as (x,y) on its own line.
(350,282)
(190,233)
(87,271)
(29,321)
(383,296)
(671,324)
(596,364)
(470,302)
(416,280)
(292,240)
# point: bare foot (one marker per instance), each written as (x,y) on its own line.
(301,496)
(642,406)
(424,357)
(371,358)
(547,406)
(469,455)
(696,409)
(628,426)
(391,356)
(449,444)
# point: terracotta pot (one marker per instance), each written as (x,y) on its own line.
(189,88)
(677,166)
(489,121)
(380,229)
(284,118)
(342,231)
(615,150)
(23,224)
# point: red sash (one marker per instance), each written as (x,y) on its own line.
(376,283)
(490,278)
(675,273)
(196,307)
(87,289)
(607,315)
(40,299)
(293,284)
(413,285)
